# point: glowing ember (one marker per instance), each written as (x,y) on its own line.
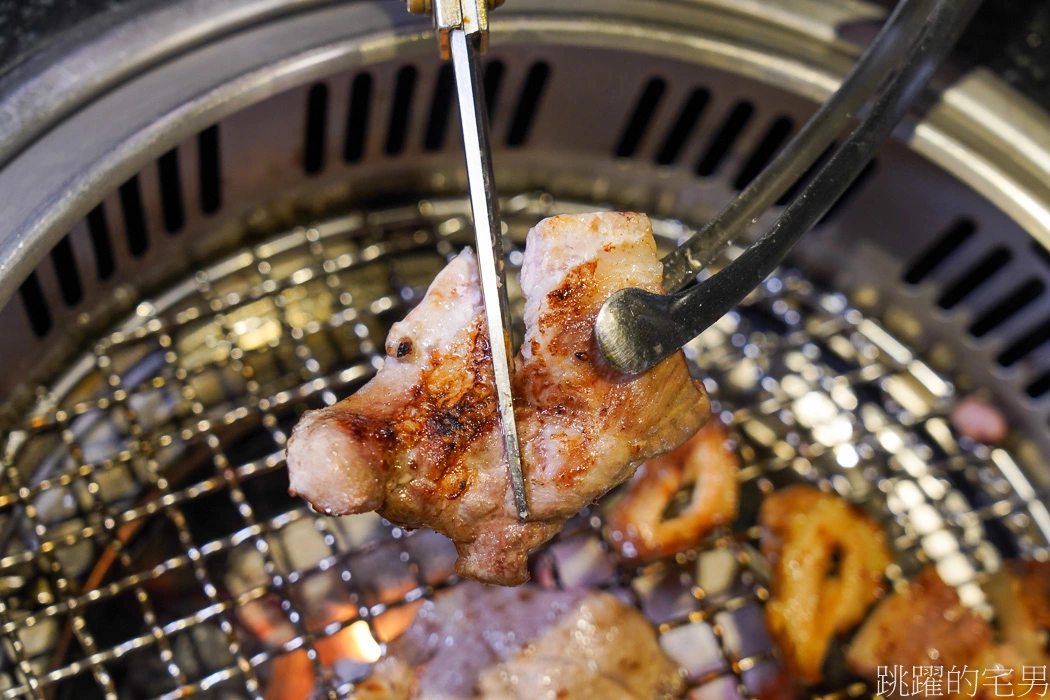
(393,622)
(365,646)
(293,676)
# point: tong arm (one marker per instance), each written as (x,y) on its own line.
(470,16)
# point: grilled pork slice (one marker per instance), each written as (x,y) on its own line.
(421,442)
(707,466)
(1020,594)
(828,561)
(525,643)
(602,650)
(924,625)
(587,428)
(391,679)
(927,625)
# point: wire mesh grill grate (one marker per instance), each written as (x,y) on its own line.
(149,548)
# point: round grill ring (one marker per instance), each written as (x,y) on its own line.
(158,496)
(148,546)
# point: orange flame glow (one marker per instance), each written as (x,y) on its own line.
(292,676)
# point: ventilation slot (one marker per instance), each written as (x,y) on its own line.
(35,306)
(528,104)
(172,211)
(401,110)
(643,113)
(1040,250)
(357,118)
(854,188)
(1039,387)
(493,79)
(950,241)
(210,169)
(1026,344)
(974,278)
(316,128)
(134,217)
(764,151)
(440,107)
(727,135)
(683,127)
(98,231)
(67,273)
(998,314)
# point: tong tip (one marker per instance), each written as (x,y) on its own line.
(630,330)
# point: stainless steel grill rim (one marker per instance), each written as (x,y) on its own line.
(142,513)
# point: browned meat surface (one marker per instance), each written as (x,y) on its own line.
(421,442)
(927,625)
(706,466)
(525,643)
(1020,594)
(391,679)
(586,428)
(923,625)
(828,561)
(603,650)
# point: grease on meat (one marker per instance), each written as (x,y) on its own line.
(421,442)
(828,561)
(708,466)
(525,643)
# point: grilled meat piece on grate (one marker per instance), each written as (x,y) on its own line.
(926,625)
(707,466)
(828,561)
(421,442)
(525,643)
(1020,594)
(923,625)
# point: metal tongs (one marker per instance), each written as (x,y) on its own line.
(462,28)
(637,329)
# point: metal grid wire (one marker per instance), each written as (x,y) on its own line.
(148,547)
